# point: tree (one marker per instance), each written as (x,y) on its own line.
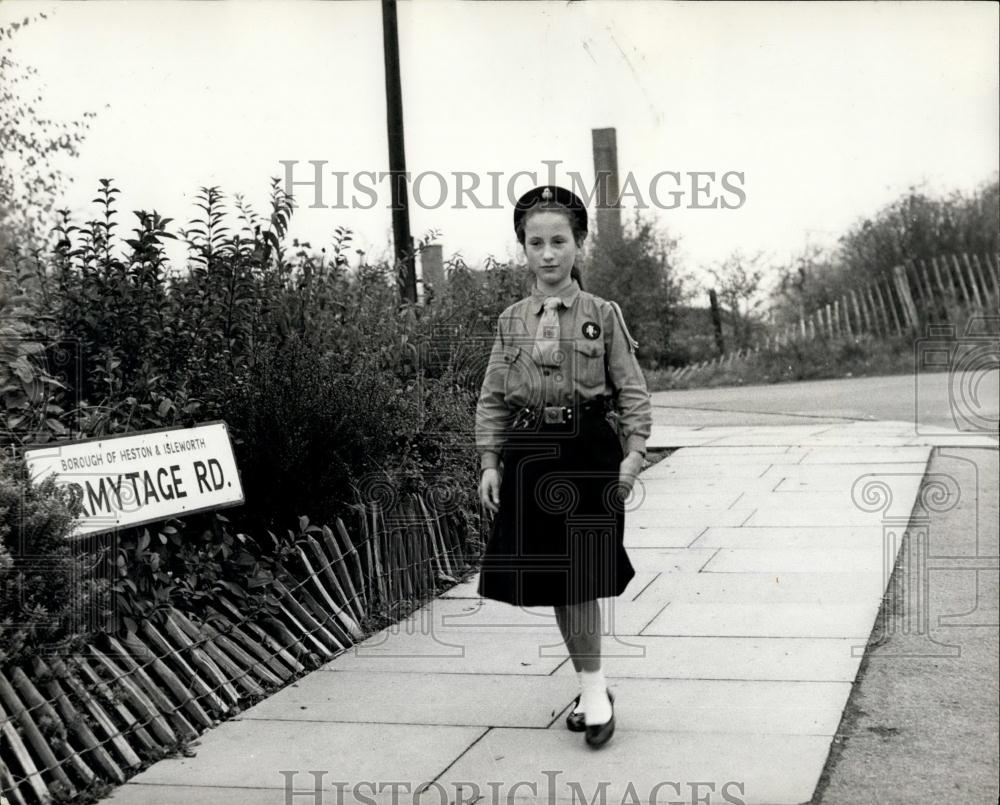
(738,281)
(30,181)
(639,272)
(917,227)
(913,227)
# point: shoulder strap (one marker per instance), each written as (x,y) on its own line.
(633,344)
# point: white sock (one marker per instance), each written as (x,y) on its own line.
(579,704)
(594,701)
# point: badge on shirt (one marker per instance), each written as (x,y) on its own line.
(591,330)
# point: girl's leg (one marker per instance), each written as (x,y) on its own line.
(580,625)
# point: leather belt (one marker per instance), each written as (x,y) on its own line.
(559,415)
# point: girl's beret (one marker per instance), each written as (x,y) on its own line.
(551,192)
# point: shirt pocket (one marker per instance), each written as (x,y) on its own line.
(517,376)
(588,370)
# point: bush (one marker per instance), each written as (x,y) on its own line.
(49,597)
(817,359)
(321,371)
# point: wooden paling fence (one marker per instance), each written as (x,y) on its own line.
(918,293)
(68,722)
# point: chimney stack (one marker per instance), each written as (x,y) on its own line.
(609,220)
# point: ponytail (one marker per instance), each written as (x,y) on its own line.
(574,273)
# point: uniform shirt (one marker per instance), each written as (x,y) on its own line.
(591,337)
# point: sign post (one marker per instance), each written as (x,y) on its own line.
(125,481)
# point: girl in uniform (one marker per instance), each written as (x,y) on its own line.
(555,472)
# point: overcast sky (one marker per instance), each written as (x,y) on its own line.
(828,111)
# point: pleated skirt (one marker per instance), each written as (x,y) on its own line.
(558,537)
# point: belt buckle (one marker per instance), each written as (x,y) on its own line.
(554,415)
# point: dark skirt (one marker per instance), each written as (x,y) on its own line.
(558,537)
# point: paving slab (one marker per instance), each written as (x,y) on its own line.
(654,496)
(754,588)
(801,560)
(864,454)
(779,658)
(726,705)
(446,615)
(253,754)
(768,619)
(669,560)
(791,515)
(458,651)
(675,518)
(841,497)
(834,478)
(709,455)
(754,537)
(960,440)
(754,470)
(643,766)
(675,482)
(646,529)
(387,697)
(172,794)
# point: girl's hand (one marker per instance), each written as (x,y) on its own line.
(489,490)
(628,471)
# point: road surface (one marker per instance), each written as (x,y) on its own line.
(968,402)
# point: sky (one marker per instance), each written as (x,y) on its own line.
(819,113)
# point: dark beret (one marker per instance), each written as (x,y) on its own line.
(552,192)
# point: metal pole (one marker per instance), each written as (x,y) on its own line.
(402,244)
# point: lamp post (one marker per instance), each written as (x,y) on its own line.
(402,244)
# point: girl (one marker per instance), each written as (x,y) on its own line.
(561,362)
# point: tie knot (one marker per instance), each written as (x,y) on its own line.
(553,303)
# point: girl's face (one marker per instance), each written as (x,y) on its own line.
(550,248)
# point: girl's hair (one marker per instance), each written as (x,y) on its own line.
(579,235)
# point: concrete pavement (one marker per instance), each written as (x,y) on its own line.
(762,555)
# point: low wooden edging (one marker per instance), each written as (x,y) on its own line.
(69,724)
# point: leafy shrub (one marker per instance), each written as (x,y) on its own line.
(320,371)
(48,592)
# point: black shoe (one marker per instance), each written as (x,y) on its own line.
(575,721)
(600,734)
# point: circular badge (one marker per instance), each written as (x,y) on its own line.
(591,330)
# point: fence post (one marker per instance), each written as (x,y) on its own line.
(919,293)
(994,267)
(836,317)
(952,292)
(886,309)
(903,289)
(966,296)
(847,317)
(927,280)
(897,314)
(946,292)
(862,320)
(989,281)
(713,301)
(876,320)
(974,280)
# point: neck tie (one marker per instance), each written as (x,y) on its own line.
(547,337)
